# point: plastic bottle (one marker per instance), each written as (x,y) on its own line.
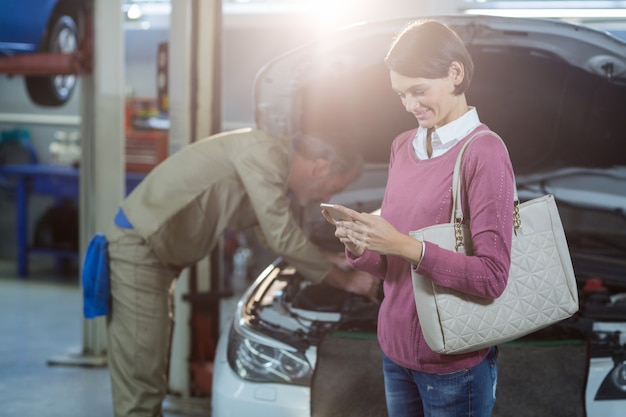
(57,150)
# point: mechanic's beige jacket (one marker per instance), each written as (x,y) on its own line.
(233,181)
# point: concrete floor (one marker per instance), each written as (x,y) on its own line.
(41,321)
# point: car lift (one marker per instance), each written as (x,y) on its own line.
(45,63)
(81,62)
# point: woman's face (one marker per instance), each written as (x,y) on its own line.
(431,101)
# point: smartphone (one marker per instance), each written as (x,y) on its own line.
(337,215)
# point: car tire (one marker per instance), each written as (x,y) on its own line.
(55,90)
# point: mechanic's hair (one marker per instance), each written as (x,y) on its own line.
(425,49)
(339,149)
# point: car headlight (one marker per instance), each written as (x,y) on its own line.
(258,362)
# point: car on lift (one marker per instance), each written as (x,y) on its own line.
(32,26)
(554,91)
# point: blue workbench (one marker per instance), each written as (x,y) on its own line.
(53,180)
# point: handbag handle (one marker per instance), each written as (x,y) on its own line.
(457,212)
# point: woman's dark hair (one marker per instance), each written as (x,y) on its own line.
(425,49)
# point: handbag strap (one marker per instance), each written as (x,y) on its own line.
(457,211)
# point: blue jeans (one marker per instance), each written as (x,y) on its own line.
(468,392)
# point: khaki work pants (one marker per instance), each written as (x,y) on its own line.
(139,326)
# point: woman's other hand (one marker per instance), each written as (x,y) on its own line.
(341,232)
(372,232)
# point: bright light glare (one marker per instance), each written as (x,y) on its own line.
(134,12)
(549,13)
(330,13)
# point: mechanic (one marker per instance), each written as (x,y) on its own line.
(174,218)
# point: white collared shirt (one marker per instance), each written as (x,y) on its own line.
(446,136)
(443,139)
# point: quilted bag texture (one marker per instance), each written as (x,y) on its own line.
(541,288)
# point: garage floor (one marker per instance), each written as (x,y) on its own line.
(40,319)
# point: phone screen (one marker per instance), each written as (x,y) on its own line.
(337,215)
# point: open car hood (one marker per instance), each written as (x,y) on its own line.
(554,91)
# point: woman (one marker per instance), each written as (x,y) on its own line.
(430,70)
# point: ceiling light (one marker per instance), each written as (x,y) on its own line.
(552,13)
(134,12)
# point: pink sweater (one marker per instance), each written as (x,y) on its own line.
(418,194)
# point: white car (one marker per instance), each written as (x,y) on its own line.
(555,92)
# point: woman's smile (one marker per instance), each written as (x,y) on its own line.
(422,115)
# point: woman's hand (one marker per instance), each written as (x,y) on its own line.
(372,232)
(341,232)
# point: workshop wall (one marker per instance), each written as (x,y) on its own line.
(17,112)
(247,46)
(242,59)
(41,123)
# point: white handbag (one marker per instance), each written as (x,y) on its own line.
(541,288)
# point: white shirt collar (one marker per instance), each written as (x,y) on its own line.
(446,136)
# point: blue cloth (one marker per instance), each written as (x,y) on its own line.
(121,220)
(95,278)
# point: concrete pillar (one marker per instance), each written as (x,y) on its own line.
(193,68)
(102,165)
